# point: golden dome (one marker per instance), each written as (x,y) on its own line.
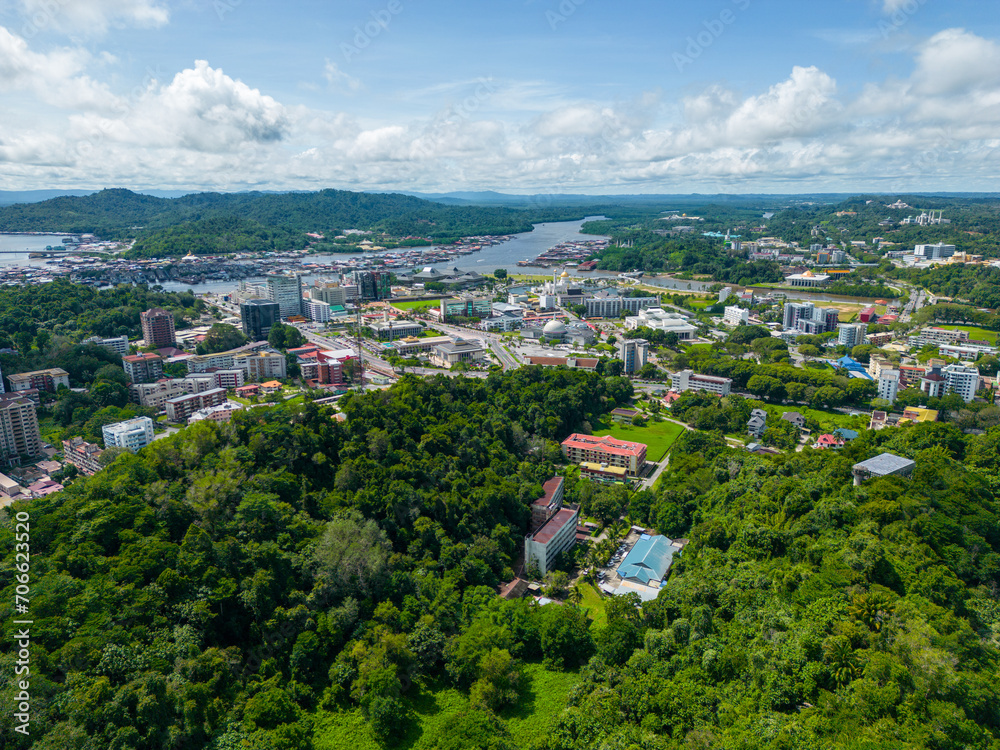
(564,275)
(808,275)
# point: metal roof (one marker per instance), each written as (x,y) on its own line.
(884,464)
(649,560)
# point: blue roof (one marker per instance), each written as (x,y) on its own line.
(855,368)
(649,560)
(846,434)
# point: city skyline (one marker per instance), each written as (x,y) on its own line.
(528,97)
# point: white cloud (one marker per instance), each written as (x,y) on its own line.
(338,79)
(92,17)
(891,6)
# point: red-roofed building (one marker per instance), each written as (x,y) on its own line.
(829,441)
(546,506)
(868,315)
(605,450)
(558,534)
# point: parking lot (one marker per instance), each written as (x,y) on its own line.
(608,575)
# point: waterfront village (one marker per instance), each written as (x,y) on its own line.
(860,364)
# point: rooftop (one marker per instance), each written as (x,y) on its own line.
(649,560)
(607,444)
(549,490)
(555,524)
(885,464)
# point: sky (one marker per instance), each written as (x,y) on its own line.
(519,96)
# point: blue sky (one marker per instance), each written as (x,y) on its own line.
(513,95)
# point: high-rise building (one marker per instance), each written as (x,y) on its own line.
(257,316)
(373,285)
(132,434)
(888,385)
(158,328)
(19,434)
(796,310)
(851,334)
(808,318)
(633,353)
(961,380)
(287,292)
(332,295)
(143,368)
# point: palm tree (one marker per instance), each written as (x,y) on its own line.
(575,596)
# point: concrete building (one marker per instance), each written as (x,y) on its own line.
(611,304)
(182,407)
(458,350)
(605,450)
(808,318)
(257,316)
(143,368)
(221,360)
(372,285)
(933,383)
(466,307)
(83,455)
(261,365)
(807,279)
(961,380)
(41,380)
(286,290)
(557,535)
(548,504)
(851,334)
(317,310)
(725,293)
(503,323)
(132,434)
(118,344)
(934,252)
(734,316)
(888,385)
(19,434)
(390,330)
(646,566)
(882,465)
(633,352)
(687,380)
(573,363)
(938,337)
(333,294)
(757,424)
(158,328)
(661,320)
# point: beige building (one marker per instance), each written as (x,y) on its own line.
(19,434)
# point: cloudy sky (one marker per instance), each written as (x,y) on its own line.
(525,96)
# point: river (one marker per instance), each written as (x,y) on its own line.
(11,246)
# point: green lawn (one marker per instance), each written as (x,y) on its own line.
(593,602)
(978,334)
(658,436)
(542,698)
(828,420)
(411,304)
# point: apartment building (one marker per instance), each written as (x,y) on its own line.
(118,344)
(41,380)
(261,365)
(557,535)
(605,450)
(734,315)
(132,434)
(158,328)
(19,434)
(182,407)
(634,353)
(143,368)
(688,380)
(938,337)
(83,455)
(851,334)
(287,292)
(888,384)
(962,380)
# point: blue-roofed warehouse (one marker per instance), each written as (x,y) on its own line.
(646,565)
(854,368)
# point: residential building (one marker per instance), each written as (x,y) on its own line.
(229,379)
(257,317)
(42,380)
(261,365)
(221,360)
(757,423)
(734,316)
(158,328)
(221,413)
(961,380)
(143,368)
(118,344)
(808,318)
(132,434)
(503,323)
(661,320)
(182,407)
(646,565)
(548,504)
(880,339)
(557,535)
(967,351)
(795,418)
(155,395)
(883,465)
(725,293)
(605,450)
(467,307)
(938,337)
(317,310)
(333,294)
(633,353)
(83,455)
(919,414)
(851,334)
(828,441)
(286,290)
(458,350)
(688,380)
(19,434)
(888,385)
(933,383)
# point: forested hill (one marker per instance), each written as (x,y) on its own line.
(290,582)
(121,214)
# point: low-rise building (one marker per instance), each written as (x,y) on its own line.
(646,566)
(262,365)
(83,455)
(688,380)
(117,344)
(221,413)
(390,330)
(938,337)
(573,363)
(735,316)
(143,368)
(132,434)
(180,408)
(458,350)
(556,535)
(883,465)
(42,380)
(757,424)
(605,450)
(661,320)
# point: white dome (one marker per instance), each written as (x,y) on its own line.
(554,326)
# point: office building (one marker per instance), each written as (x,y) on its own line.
(390,330)
(41,380)
(333,294)
(373,285)
(467,307)
(287,292)
(83,455)
(458,350)
(317,310)
(687,380)
(934,252)
(888,385)
(158,328)
(961,380)
(19,434)
(557,535)
(661,320)
(851,334)
(182,407)
(143,368)
(257,317)
(611,304)
(605,450)
(119,344)
(132,434)
(734,316)
(634,353)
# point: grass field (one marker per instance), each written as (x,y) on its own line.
(828,420)
(593,602)
(411,304)
(542,698)
(658,436)
(978,334)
